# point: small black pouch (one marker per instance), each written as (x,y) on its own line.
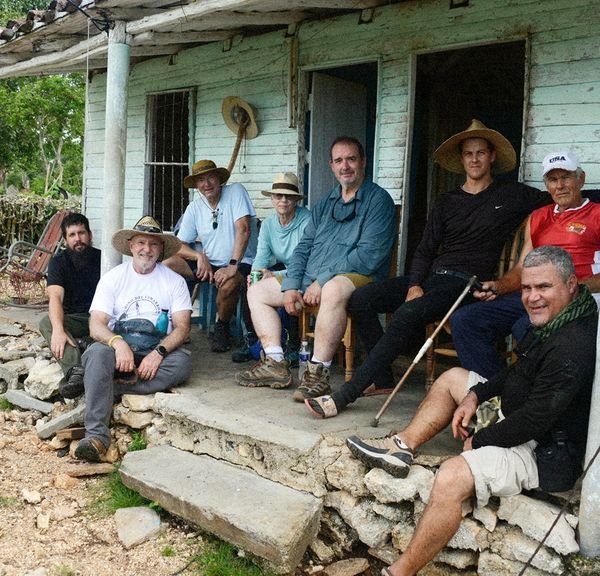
(558,463)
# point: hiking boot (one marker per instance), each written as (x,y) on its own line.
(244,354)
(221,340)
(266,372)
(315,382)
(72,384)
(385,453)
(90,449)
(293,358)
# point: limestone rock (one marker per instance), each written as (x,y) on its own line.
(136,525)
(386,554)
(401,535)
(512,544)
(64,482)
(469,536)
(493,565)
(43,379)
(9,379)
(42,521)
(535,517)
(460,559)
(487,517)
(138,402)
(333,525)
(85,469)
(322,551)
(348,567)
(394,512)
(20,366)
(10,329)
(372,529)
(31,496)
(24,400)
(347,473)
(135,420)
(386,488)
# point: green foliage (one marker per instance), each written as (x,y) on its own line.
(5,404)
(110,494)
(42,122)
(8,502)
(138,442)
(168,551)
(220,559)
(64,570)
(18,8)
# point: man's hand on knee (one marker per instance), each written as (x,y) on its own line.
(293,302)
(312,295)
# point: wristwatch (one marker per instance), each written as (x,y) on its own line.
(162,350)
(233,262)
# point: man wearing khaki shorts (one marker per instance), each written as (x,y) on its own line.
(546,393)
(346,244)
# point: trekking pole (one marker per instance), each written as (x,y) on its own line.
(472,282)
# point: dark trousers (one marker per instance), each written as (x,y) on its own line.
(408,322)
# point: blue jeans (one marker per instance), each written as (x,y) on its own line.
(100,389)
(408,322)
(477,328)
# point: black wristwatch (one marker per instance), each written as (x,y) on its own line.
(162,350)
(233,262)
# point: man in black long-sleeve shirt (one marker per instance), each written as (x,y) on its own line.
(466,232)
(545,395)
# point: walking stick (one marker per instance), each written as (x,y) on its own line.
(424,348)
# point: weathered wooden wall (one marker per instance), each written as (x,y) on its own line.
(563,109)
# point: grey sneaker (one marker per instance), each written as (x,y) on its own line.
(385,453)
(315,382)
(266,372)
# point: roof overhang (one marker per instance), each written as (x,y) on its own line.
(76,39)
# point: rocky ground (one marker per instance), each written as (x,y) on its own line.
(49,526)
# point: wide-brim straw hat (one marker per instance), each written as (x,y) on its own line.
(284,183)
(448,156)
(203,167)
(234,110)
(147,226)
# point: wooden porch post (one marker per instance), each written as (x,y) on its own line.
(115,141)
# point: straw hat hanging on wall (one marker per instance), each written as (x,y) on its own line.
(240,118)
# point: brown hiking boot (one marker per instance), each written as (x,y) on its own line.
(315,382)
(266,372)
(90,449)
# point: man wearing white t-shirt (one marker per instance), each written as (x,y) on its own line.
(131,354)
(221,222)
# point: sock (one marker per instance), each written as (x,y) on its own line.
(317,361)
(274,353)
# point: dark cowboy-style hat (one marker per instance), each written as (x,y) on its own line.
(203,167)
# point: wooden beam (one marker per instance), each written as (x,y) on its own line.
(166,38)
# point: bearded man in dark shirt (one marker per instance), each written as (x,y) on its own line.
(72,277)
(541,437)
(466,232)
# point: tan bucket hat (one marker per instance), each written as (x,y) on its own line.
(447,154)
(203,167)
(284,183)
(234,110)
(149,227)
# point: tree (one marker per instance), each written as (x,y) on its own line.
(42,123)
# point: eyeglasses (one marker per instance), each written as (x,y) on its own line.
(340,216)
(215,221)
(279,197)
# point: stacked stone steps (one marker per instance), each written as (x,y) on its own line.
(269,520)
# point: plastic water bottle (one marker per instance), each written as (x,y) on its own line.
(303,358)
(162,322)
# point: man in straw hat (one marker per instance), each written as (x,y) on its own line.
(346,244)
(127,304)
(465,233)
(545,395)
(221,221)
(571,222)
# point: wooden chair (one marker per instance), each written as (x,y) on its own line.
(25,264)
(348,339)
(508,258)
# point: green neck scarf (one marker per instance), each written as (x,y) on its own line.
(583,305)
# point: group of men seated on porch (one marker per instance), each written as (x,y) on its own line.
(340,263)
